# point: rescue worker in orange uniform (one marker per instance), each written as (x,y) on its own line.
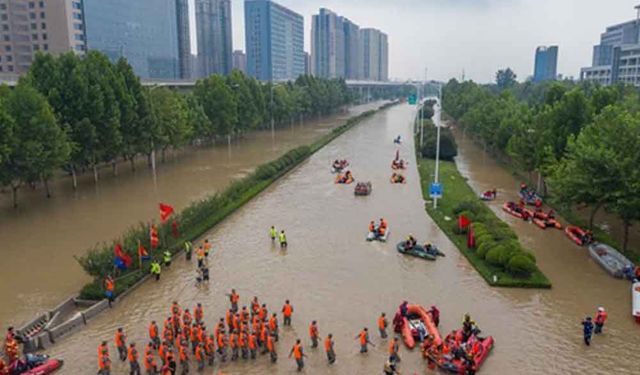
(287,311)
(200,256)
(234,298)
(383,323)
(183,352)
(104,362)
(233,344)
(255,305)
(198,313)
(207,248)
(120,341)
(252,344)
(109,289)
(328,348)
(394,346)
(222,345)
(363,336)
(313,334)
(243,344)
(372,227)
(271,348)
(153,334)
(210,349)
(150,365)
(132,357)
(273,326)
(200,356)
(263,312)
(601,317)
(298,353)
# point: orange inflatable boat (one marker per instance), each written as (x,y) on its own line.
(416,314)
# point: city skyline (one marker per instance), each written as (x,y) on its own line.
(450,49)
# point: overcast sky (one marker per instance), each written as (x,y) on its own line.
(477,36)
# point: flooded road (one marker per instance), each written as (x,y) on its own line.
(332,275)
(40,238)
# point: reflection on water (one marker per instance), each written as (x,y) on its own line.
(331,274)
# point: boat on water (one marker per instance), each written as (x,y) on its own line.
(520,212)
(346,178)
(418,318)
(371,236)
(489,195)
(363,188)
(419,251)
(339,165)
(635,301)
(544,220)
(480,349)
(610,259)
(398,164)
(47,367)
(578,235)
(530,197)
(397,178)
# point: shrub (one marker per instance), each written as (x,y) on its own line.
(484,238)
(521,265)
(507,253)
(493,255)
(472,206)
(529,255)
(484,248)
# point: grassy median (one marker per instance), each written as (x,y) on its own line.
(457,193)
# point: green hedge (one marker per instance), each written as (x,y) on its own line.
(199,217)
(498,252)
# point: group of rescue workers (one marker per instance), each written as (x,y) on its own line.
(380,230)
(243,334)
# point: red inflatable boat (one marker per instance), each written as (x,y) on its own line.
(577,235)
(516,211)
(480,349)
(49,366)
(415,315)
(544,221)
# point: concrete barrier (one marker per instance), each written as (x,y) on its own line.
(94,310)
(66,328)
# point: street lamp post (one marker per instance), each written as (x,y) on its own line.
(437,169)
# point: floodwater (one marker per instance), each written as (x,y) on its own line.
(40,238)
(332,275)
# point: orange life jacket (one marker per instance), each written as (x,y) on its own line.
(221,341)
(273,323)
(328,344)
(119,338)
(153,331)
(382,322)
(199,313)
(270,346)
(313,331)
(297,351)
(109,284)
(252,341)
(132,354)
(233,340)
(363,338)
(199,353)
(149,363)
(209,345)
(184,356)
(234,297)
(393,347)
(287,310)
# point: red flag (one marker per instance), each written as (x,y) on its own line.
(165,212)
(126,259)
(471,238)
(463,222)
(142,252)
(153,236)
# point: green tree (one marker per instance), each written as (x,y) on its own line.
(170,114)
(218,103)
(40,144)
(505,78)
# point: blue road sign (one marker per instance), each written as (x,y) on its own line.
(435,190)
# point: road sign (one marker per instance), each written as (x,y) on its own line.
(435,190)
(412,99)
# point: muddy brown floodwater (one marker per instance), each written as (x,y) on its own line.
(40,238)
(331,274)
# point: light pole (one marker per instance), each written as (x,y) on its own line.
(439,118)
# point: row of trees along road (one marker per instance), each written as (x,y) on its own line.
(76,113)
(582,140)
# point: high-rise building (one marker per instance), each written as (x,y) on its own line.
(353,52)
(546,64)
(341,49)
(327,45)
(29,26)
(274,39)
(384,57)
(617,57)
(240,61)
(184,38)
(145,32)
(215,47)
(307,63)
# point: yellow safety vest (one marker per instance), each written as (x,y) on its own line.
(283,238)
